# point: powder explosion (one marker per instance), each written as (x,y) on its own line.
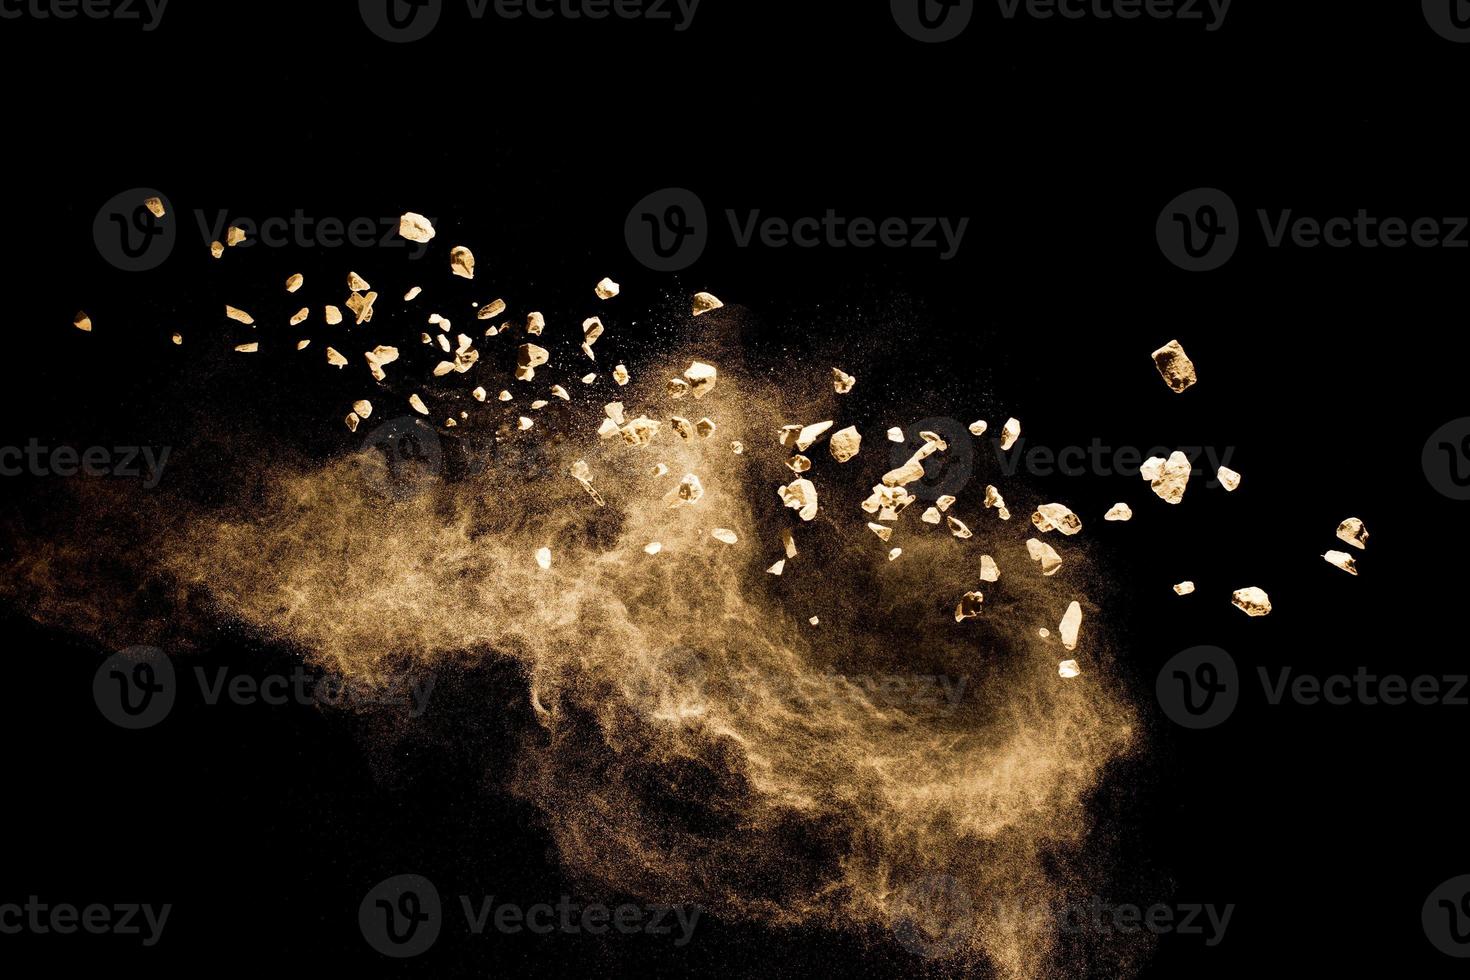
(702,732)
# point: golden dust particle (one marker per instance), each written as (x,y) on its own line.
(295,282)
(504,396)
(1056,517)
(931,516)
(363,407)
(842,382)
(543,558)
(1009,433)
(1168,478)
(798,464)
(352,420)
(701,378)
(335,359)
(362,306)
(958,528)
(535,323)
(1175,367)
(689,490)
(528,358)
(989,570)
(333,315)
(815,621)
(303,344)
(155,206)
(82,322)
(705,302)
(1252,601)
(1229,479)
(525,423)
(415,227)
(944,502)
(883,531)
(239,315)
(1043,633)
(234,236)
(845,444)
(978,427)
(653,548)
(588,379)
(1068,669)
(801,496)
(178,339)
(249,348)
(491,310)
(357,284)
(777,568)
(620,375)
(1184,588)
(412,294)
(895,434)
(417,404)
(607,289)
(1045,554)
(1342,560)
(894,553)
(1070,625)
(300,316)
(725,535)
(737,447)
(969,606)
(462,262)
(994,500)
(478,394)
(217,249)
(1354,533)
(1119,512)
(788,541)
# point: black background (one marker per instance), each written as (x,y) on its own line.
(1327,369)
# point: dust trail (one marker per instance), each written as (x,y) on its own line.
(692,745)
